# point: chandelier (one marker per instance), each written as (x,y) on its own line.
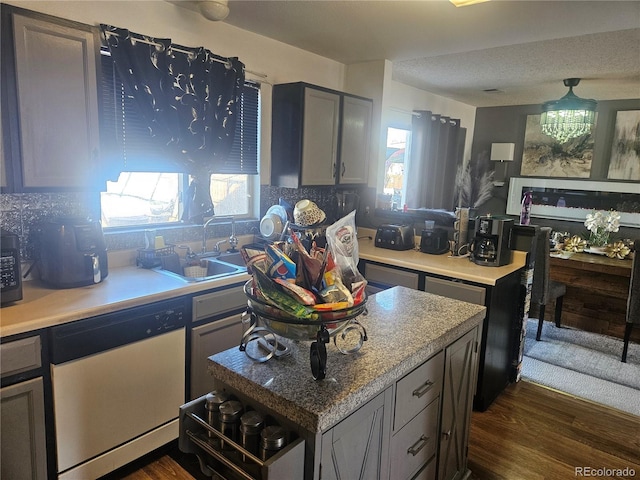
(569,117)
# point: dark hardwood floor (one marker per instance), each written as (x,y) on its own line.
(529,433)
(533,433)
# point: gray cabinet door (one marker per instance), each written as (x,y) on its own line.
(23,442)
(320,140)
(58,102)
(457,400)
(455,289)
(357,447)
(356,139)
(207,340)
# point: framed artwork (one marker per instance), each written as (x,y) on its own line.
(543,156)
(624,163)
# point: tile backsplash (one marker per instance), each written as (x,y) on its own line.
(20,213)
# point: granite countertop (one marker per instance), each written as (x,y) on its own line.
(405,328)
(124,287)
(446,265)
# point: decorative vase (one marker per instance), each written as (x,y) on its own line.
(598,238)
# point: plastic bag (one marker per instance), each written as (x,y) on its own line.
(343,243)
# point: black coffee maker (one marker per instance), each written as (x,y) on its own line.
(490,246)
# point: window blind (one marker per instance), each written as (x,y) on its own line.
(127,144)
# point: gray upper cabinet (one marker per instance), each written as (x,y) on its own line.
(320,137)
(53,72)
(356,139)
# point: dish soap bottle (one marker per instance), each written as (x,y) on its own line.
(525,212)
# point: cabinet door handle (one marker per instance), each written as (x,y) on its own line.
(420,391)
(335,170)
(446,434)
(344,169)
(419,445)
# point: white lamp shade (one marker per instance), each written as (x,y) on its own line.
(502,152)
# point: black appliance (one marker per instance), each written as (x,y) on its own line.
(395,237)
(72,253)
(10,276)
(490,246)
(434,241)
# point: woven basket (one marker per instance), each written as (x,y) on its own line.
(195,271)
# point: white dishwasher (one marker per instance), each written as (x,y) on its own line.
(118,383)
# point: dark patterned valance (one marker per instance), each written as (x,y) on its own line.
(188,97)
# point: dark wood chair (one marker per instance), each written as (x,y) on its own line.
(545,290)
(633,302)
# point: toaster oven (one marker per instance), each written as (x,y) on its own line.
(395,237)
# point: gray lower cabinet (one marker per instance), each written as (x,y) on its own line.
(457,402)
(357,447)
(219,327)
(23,438)
(414,442)
(455,289)
(207,340)
(387,277)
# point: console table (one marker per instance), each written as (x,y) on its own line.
(597,292)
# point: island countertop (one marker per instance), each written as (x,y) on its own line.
(405,328)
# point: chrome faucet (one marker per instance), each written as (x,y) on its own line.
(233,240)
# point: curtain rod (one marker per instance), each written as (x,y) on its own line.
(187,52)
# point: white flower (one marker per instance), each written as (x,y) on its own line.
(601,221)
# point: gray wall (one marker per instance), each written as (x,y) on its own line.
(507,125)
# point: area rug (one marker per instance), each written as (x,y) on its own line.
(583,364)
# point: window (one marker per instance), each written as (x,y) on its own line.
(152,198)
(395,181)
(150,187)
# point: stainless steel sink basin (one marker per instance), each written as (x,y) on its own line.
(234,258)
(210,269)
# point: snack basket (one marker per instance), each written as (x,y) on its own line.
(265,321)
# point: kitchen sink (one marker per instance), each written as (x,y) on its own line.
(210,268)
(234,258)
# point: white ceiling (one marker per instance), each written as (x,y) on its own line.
(522,48)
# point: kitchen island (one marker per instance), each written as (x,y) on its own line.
(500,289)
(401,404)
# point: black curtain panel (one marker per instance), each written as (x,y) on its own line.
(437,144)
(188,97)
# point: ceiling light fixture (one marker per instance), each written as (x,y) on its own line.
(466,3)
(569,117)
(214,10)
